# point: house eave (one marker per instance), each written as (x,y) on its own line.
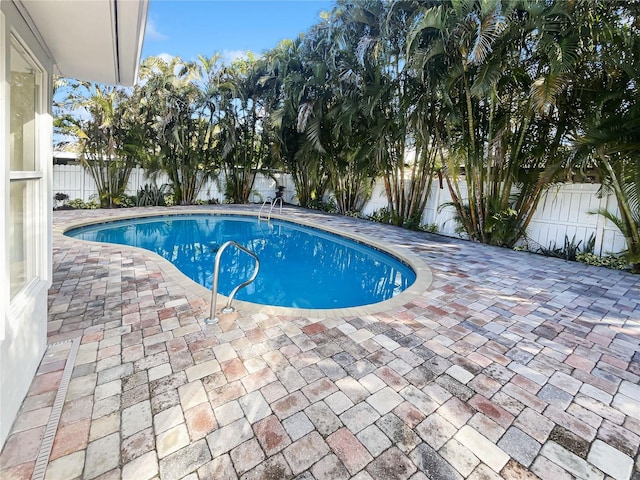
(92,40)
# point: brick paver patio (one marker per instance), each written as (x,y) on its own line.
(508,365)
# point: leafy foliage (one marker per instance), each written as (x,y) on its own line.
(109,136)
(79,204)
(494,99)
(570,250)
(607,136)
(152,195)
(328,206)
(616,262)
(180,104)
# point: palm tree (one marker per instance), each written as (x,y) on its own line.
(246,139)
(179,115)
(402,120)
(329,112)
(493,67)
(110,139)
(289,74)
(608,136)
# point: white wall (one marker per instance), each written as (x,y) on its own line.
(23,318)
(563,210)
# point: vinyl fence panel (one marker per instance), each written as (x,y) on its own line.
(563,211)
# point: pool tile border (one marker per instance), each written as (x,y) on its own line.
(423,280)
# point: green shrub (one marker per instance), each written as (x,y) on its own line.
(329,206)
(152,195)
(412,223)
(429,227)
(76,203)
(79,204)
(385,216)
(209,201)
(353,214)
(570,250)
(616,262)
(127,201)
(169,200)
(382,215)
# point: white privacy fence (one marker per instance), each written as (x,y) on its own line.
(563,210)
(77,183)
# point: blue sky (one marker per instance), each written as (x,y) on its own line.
(186,28)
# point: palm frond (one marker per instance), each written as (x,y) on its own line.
(305,112)
(427,19)
(545,90)
(486,78)
(617,221)
(487,31)
(314,134)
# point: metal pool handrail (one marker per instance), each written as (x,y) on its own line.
(273,204)
(214,288)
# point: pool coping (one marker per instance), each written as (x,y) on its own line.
(422,282)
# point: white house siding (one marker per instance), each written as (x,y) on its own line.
(27,198)
(23,319)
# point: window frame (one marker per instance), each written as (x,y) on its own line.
(35,179)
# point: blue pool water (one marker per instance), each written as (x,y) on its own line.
(299,266)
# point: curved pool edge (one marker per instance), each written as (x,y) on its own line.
(422,282)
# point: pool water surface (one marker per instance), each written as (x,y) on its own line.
(300,266)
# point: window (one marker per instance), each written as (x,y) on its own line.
(25,174)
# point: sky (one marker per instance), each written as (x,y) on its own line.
(187,28)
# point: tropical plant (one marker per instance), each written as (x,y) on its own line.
(403,121)
(245,136)
(570,250)
(608,136)
(152,195)
(287,74)
(78,203)
(497,68)
(616,262)
(110,138)
(382,215)
(321,132)
(180,119)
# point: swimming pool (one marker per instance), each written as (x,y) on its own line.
(300,266)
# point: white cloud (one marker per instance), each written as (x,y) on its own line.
(229,56)
(166,57)
(152,33)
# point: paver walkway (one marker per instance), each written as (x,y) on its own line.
(509,365)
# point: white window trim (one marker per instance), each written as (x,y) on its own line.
(4,179)
(15,175)
(23,297)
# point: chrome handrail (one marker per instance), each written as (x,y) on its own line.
(214,287)
(273,204)
(268,200)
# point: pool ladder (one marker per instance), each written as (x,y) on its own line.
(273,203)
(212,319)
